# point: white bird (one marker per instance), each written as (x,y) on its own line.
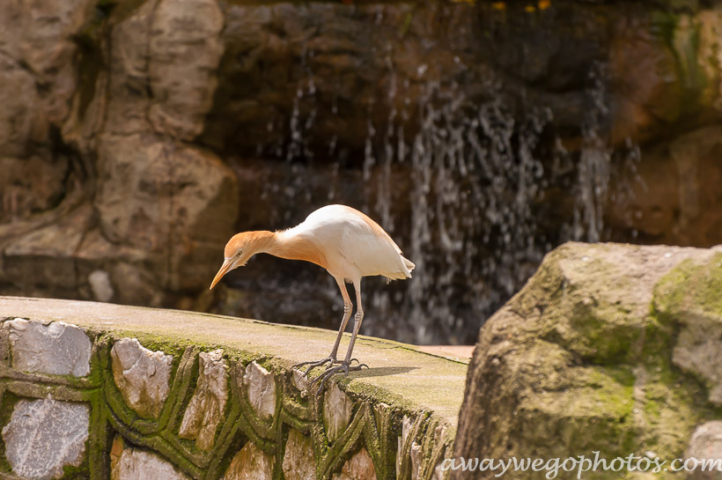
(344,241)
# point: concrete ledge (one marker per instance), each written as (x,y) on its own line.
(210,396)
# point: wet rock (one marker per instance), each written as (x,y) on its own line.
(358,467)
(261,390)
(298,462)
(56,348)
(706,444)
(142,376)
(337,408)
(43,436)
(135,464)
(206,407)
(250,463)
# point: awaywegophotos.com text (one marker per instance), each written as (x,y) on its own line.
(580,465)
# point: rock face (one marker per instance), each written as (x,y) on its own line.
(142,376)
(582,359)
(298,463)
(55,348)
(44,436)
(135,464)
(261,390)
(250,463)
(205,410)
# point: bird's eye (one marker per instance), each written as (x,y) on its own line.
(238,254)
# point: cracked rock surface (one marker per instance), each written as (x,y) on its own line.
(43,436)
(206,407)
(56,348)
(142,376)
(261,390)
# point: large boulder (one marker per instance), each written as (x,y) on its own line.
(610,348)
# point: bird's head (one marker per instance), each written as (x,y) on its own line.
(239,249)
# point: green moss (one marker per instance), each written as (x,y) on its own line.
(690,287)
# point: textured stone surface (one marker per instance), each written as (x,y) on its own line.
(358,467)
(136,198)
(142,376)
(706,444)
(56,348)
(300,381)
(298,463)
(250,463)
(43,436)
(581,359)
(261,390)
(206,407)
(692,297)
(337,409)
(408,451)
(135,464)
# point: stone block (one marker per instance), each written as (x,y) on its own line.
(56,348)
(250,463)
(337,409)
(261,390)
(142,376)
(205,410)
(43,436)
(298,463)
(135,464)
(358,467)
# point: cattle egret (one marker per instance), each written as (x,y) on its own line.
(344,241)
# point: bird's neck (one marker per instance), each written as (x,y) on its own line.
(292,245)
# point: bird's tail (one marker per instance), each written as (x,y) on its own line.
(409,265)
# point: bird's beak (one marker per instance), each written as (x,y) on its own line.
(225,268)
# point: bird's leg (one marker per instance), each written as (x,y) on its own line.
(345,366)
(331,359)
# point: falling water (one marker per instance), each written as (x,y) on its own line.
(478,186)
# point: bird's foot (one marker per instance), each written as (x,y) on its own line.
(313,364)
(344,367)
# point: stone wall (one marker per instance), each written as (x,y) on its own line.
(93,402)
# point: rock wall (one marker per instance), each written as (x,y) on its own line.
(608,348)
(137,136)
(95,403)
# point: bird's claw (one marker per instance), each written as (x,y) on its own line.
(344,367)
(357,361)
(313,364)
